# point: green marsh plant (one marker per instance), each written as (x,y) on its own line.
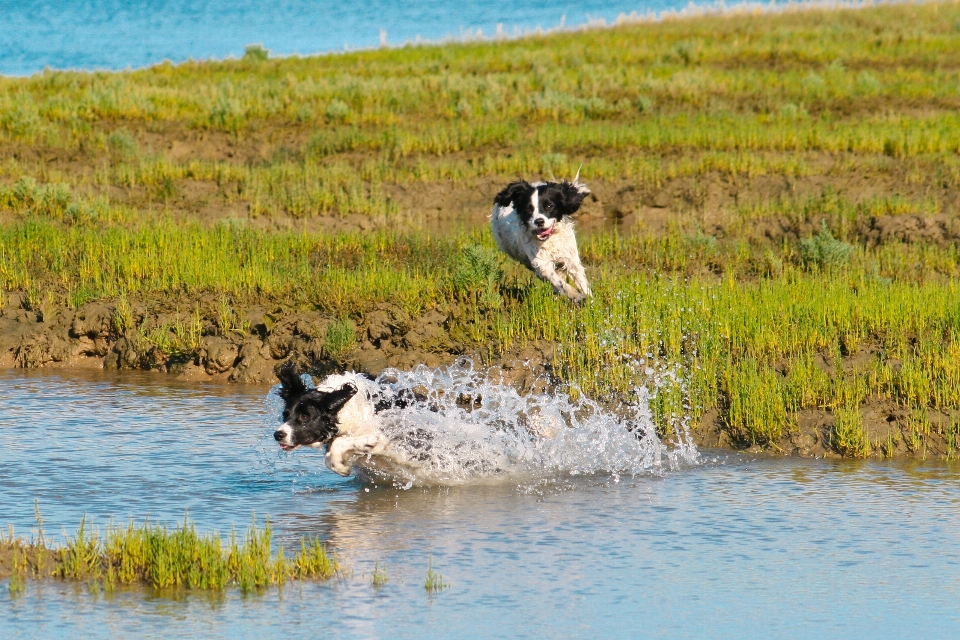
(849,437)
(161,557)
(340,337)
(434,581)
(379,577)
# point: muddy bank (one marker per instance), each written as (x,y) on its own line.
(250,348)
(887,426)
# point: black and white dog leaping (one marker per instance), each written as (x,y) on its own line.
(531,223)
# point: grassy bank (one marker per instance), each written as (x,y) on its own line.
(759,334)
(773,244)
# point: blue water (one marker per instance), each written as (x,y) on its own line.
(731,547)
(116,34)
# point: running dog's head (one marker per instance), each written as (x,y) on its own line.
(309,415)
(541,205)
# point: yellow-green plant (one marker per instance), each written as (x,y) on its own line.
(379,577)
(849,437)
(160,557)
(434,581)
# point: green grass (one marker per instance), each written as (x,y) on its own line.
(379,577)
(434,581)
(849,437)
(742,95)
(159,557)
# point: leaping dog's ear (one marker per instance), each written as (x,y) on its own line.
(292,385)
(572,196)
(335,400)
(511,192)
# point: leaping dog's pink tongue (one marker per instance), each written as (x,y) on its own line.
(543,235)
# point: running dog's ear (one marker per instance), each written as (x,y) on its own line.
(335,400)
(292,385)
(572,196)
(511,192)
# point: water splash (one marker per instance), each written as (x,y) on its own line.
(463,425)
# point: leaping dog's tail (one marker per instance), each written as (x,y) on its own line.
(582,188)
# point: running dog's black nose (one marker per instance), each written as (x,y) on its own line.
(539,222)
(279,435)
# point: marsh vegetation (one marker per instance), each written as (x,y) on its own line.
(160,557)
(773,245)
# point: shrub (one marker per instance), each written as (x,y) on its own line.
(255,53)
(122,145)
(825,251)
(337,110)
(478,273)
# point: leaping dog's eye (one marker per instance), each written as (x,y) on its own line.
(302,417)
(548,206)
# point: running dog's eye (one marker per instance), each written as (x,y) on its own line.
(548,206)
(302,417)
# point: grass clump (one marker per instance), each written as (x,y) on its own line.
(434,581)
(337,110)
(340,337)
(379,577)
(255,53)
(122,144)
(313,561)
(756,413)
(159,557)
(849,437)
(27,196)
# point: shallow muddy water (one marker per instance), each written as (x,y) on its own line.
(719,546)
(115,34)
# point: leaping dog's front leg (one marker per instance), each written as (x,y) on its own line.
(580,278)
(341,451)
(547,270)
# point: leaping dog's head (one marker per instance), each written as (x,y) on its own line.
(541,205)
(309,415)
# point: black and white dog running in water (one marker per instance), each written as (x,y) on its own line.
(339,414)
(531,224)
(383,431)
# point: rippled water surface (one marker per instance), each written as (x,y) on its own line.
(727,547)
(115,34)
